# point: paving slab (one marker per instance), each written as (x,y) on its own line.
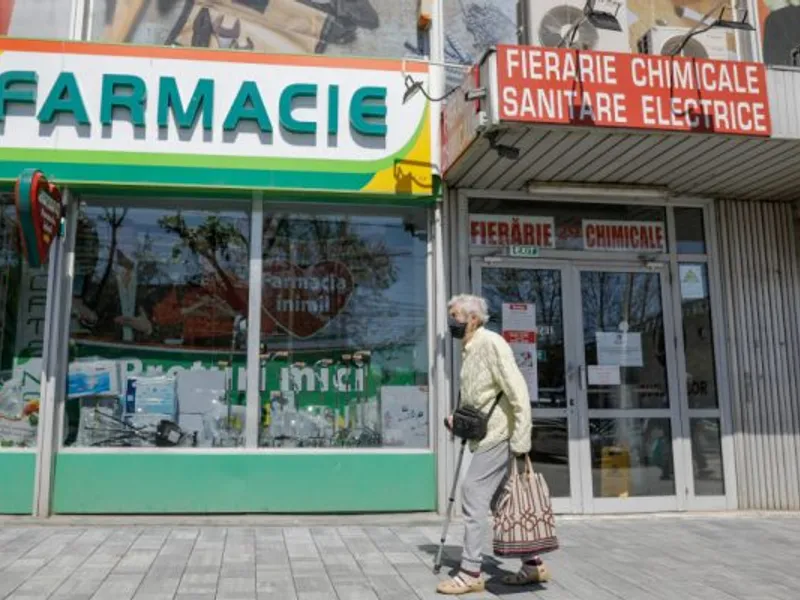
(692,557)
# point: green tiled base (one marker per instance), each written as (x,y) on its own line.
(164,482)
(17,474)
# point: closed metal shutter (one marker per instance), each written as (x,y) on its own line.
(758,257)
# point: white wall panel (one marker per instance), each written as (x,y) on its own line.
(783,85)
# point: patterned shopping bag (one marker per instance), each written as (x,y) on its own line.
(523,518)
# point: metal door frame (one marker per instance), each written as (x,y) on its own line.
(649,504)
(575,502)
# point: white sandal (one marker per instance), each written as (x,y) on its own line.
(461,584)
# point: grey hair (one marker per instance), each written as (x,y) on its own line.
(470,305)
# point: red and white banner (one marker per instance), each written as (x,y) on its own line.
(506,230)
(624,236)
(609,89)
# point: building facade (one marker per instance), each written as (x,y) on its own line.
(244,307)
(234,316)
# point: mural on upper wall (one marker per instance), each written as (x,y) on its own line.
(780,31)
(472,26)
(339,27)
(35,18)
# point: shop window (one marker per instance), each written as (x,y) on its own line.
(499,224)
(690,231)
(355,28)
(36,18)
(157,353)
(344,330)
(23,299)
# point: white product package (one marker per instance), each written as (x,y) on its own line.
(202,403)
(96,378)
(152,396)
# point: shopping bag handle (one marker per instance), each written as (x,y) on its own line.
(528,468)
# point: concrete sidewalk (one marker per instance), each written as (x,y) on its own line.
(710,558)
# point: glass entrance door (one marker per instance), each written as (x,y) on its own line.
(555,419)
(605,418)
(627,383)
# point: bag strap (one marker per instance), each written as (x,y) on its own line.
(491,410)
(496,402)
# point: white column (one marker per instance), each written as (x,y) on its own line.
(54,357)
(254,322)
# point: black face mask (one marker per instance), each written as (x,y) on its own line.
(457,330)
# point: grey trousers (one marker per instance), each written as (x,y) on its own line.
(486,473)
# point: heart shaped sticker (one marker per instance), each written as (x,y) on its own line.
(303,301)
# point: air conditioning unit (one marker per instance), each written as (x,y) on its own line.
(711,44)
(548,22)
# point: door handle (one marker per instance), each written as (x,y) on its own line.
(580,377)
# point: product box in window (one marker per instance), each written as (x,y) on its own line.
(93,378)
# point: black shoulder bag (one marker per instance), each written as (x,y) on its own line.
(469,423)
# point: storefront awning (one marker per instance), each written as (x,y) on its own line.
(540,127)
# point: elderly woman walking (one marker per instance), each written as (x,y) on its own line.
(488,372)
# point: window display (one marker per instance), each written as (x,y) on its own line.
(344,330)
(23,299)
(157,346)
(353,28)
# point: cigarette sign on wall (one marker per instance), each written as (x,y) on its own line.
(608,89)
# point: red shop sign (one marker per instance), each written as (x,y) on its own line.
(610,89)
(624,236)
(505,230)
(39,210)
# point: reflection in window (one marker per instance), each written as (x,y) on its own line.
(550,454)
(344,322)
(698,338)
(623,326)
(632,457)
(23,298)
(690,231)
(156,340)
(709,477)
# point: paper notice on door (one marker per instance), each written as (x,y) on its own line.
(620,349)
(604,375)
(525,354)
(519,330)
(519,322)
(692,282)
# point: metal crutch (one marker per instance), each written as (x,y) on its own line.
(437,565)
